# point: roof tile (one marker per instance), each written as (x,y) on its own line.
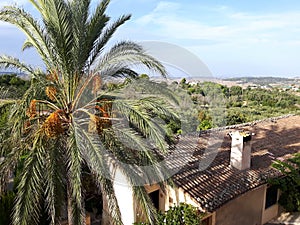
(204,161)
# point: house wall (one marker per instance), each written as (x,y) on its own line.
(124,196)
(172,196)
(269,213)
(248,209)
(177,195)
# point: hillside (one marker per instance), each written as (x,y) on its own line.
(264,80)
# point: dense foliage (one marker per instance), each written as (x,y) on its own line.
(67,125)
(238,105)
(182,214)
(289,184)
(4,113)
(12,86)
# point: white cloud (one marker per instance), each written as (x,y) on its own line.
(166,20)
(240,42)
(162,9)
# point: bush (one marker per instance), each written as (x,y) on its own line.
(289,184)
(183,214)
(235,117)
(13,86)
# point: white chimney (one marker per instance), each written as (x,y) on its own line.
(240,155)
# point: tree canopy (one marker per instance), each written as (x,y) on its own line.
(67,124)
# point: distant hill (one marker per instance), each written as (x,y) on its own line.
(262,80)
(2,73)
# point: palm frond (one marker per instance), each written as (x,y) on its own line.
(55,181)
(9,62)
(125,72)
(98,162)
(158,106)
(94,26)
(80,13)
(104,38)
(127,54)
(26,45)
(138,161)
(57,18)
(143,121)
(152,88)
(34,32)
(144,201)
(28,203)
(35,4)
(74,170)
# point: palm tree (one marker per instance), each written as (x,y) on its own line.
(67,124)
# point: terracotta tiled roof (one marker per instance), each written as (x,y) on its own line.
(202,162)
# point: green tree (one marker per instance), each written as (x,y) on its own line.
(236,90)
(183,81)
(235,117)
(16,81)
(184,84)
(4,112)
(289,184)
(13,85)
(205,120)
(66,122)
(182,214)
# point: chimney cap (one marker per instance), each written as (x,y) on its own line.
(246,135)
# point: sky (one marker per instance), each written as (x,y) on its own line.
(231,37)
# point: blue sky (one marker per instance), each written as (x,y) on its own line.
(232,37)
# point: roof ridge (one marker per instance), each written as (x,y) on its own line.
(271,119)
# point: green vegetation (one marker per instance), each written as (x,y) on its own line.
(182,214)
(67,124)
(219,105)
(4,113)
(12,86)
(289,184)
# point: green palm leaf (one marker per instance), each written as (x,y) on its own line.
(49,145)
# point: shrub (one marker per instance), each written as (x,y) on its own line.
(182,214)
(289,184)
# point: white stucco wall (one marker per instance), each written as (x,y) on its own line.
(247,209)
(124,196)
